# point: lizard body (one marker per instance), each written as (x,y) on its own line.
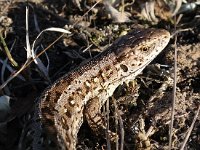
(60,110)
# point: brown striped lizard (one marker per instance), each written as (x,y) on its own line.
(60,110)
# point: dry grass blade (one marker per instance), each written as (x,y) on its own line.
(13,62)
(14,75)
(190,129)
(4,108)
(35,21)
(121,125)
(5,65)
(174,91)
(28,47)
(27,64)
(107,112)
(30,51)
(37,61)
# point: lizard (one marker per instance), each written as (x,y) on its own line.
(79,95)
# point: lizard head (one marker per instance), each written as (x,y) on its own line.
(144,42)
(138,48)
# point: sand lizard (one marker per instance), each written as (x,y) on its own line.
(61,108)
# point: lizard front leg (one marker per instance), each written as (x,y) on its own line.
(96,120)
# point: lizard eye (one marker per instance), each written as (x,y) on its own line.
(144,49)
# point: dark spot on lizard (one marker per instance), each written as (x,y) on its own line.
(48,97)
(124,67)
(47,110)
(64,123)
(79,89)
(68,114)
(71,101)
(58,94)
(107,68)
(66,92)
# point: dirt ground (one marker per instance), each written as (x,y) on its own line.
(143,107)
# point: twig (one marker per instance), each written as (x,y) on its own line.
(121,125)
(107,126)
(174,91)
(190,129)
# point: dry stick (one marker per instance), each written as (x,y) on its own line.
(107,127)
(121,125)
(174,86)
(190,129)
(174,93)
(116,123)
